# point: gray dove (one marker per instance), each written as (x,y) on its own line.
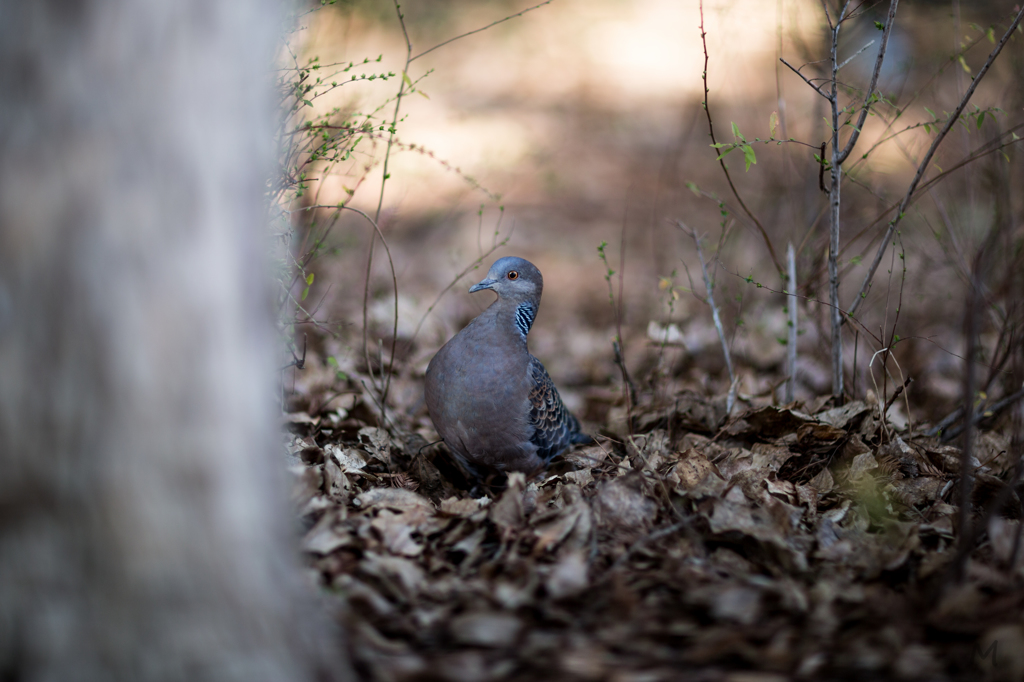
(491,401)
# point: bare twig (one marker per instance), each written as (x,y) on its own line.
(628,388)
(869,93)
(816,88)
(836,168)
(792,335)
(946,422)
(923,166)
(983,412)
(621,362)
(821,171)
(380,203)
(709,287)
(854,55)
(409,58)
(886,356)
(617,344)
(297,362)
(971,330)
(721,161)
(980,152)
(394,330)
(895,394)
(466,271)
(483,28)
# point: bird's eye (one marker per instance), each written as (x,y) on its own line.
(513,274)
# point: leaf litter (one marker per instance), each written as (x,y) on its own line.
(796,542)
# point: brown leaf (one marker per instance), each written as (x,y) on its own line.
(914,492)
(349,460)
(378,443)
(691,469)
(842,417)
(405,572)
(586,457)
(328,534)
(823,482)
(767,422)
(552,533)
(649,450)
(508,513)
(862,466)
(618,504)
(463,507)
(308,484)
(486,629)
(398,499)
(396,531)
(1003,535)
(569,576)
(818,435)
(738,603)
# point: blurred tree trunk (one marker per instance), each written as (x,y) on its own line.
(143,530)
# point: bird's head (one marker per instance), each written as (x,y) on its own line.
(512,278)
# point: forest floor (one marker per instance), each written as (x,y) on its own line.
(805,541)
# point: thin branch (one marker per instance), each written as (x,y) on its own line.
(721,161)
(807,299)
(861,294)
(854,55)
(380,204)
(889,21)
(709,287)
(807,80)
(469,33)
(455,281)
(978,153)
(394,329)
(982,414)
(835,189)
(791,337)
(895,395)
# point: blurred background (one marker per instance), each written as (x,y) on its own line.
(581,122)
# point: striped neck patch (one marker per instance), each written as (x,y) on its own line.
(525,313)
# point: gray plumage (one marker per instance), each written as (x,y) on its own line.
(491,401)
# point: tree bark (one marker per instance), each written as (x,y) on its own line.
(144,533)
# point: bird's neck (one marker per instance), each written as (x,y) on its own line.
(515,316)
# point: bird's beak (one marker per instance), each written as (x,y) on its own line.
(485,284)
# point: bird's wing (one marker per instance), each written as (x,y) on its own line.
(555,428)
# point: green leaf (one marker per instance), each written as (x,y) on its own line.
(305,293)
(773,122)
(748,155)
(932,114)
(692,186)
(991,35)
(880,26)
(406,78)
(963,63)
(981,119)
(723,154)
(736,130)
(309,278)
